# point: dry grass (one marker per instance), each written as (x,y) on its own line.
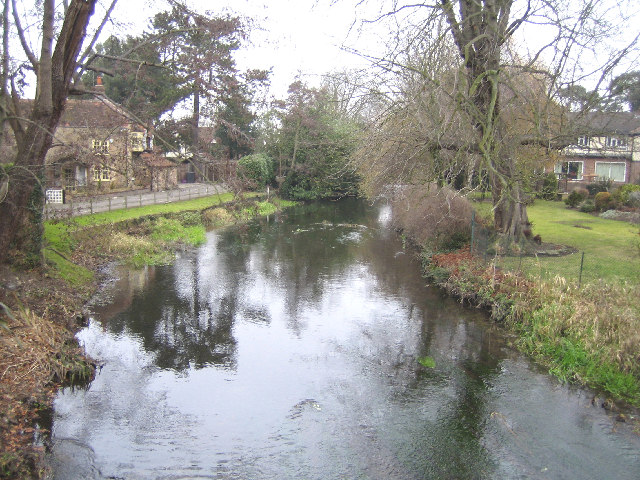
(217,217)
(35,355)
(603,317)
(590,335)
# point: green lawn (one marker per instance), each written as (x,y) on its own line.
(611,247)
(127,214)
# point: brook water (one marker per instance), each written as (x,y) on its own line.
(288,349)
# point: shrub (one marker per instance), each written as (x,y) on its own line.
(603,201)
(634,199)
(549,189)
(438,217)
(258,168)
(602,185)
(575,198)
(588,206)
(622,194)
(297,184)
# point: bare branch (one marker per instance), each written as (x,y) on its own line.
(96,34)
(23,41)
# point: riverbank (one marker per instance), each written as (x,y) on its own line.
(585,332)
(45,307)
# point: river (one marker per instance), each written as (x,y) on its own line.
(289,348)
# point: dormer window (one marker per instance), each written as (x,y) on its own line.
(100,147)
(583,141)
(615,142)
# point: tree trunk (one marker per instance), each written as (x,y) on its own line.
(21,211)
(479,30)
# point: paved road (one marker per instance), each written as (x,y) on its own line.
(138,198)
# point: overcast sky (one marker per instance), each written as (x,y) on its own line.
(289,36)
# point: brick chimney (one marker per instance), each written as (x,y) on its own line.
(99,87)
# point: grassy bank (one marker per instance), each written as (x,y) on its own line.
(38,351)
(587,333)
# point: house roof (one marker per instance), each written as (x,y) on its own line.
(96,113)
(621,123)
(155,160)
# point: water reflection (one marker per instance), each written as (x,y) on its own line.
(288,349)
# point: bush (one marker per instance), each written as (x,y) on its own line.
(622,194)
(575,198)
(297,185)
(634,199)
(588,207)
(258,168)
(603,201)
(437,217)
(549,189)
(602,185)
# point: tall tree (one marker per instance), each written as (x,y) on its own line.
(199,49)
(34,124)
(494,80)
(234,114)
(314,144)
(134,76)
(626,87)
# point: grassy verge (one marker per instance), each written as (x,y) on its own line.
(588,333)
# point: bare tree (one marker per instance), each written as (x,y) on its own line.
(471,94)
(34,125)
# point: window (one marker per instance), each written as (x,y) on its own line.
(69,176)
(615,142)
(101,147)
(101,174)
(137,141)
(583,141)
(616,171)
(572,170)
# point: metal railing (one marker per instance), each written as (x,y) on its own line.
(86,206)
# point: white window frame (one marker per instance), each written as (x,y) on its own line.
(615,142)
(100,147)
(101,174)
(609,176)
(584,140)
(558,169)
(137,141)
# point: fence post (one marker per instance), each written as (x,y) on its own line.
(125,201)
(109,203)
(581,265)
(91,205)
(473,229)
